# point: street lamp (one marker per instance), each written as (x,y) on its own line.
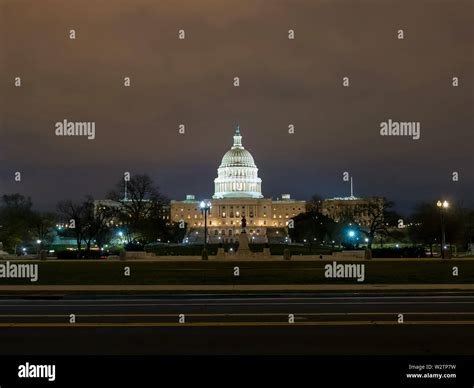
(205,207)
(38,251)
(442,206)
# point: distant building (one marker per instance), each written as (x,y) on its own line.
(163,211)
(350,208)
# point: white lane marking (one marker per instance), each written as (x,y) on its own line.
(229,304)
(256,299)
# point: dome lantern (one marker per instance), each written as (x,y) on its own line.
(237,138)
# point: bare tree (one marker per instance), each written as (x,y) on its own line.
(76,218)
(143,200)
(380,218)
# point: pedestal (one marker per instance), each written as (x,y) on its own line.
(244,250)
(220,254)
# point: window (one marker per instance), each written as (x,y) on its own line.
(230,232)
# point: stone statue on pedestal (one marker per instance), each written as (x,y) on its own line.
(244,250)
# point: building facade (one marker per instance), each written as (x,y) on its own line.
(359,210)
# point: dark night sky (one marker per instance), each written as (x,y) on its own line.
(282,81)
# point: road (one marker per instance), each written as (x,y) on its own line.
(336,324)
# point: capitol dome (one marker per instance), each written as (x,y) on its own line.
(237,174)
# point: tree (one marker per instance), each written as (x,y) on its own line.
(140,209)
(44,227)
(467,233)
(425,225)
(16,220)
(76,214)
(315,204)
(98,227)
(312,225)
(380,218)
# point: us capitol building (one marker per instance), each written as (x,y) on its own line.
(238,194)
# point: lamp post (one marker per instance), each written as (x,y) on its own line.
(442,206)
(38,251)
(205,207)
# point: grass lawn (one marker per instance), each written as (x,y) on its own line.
(211,272)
